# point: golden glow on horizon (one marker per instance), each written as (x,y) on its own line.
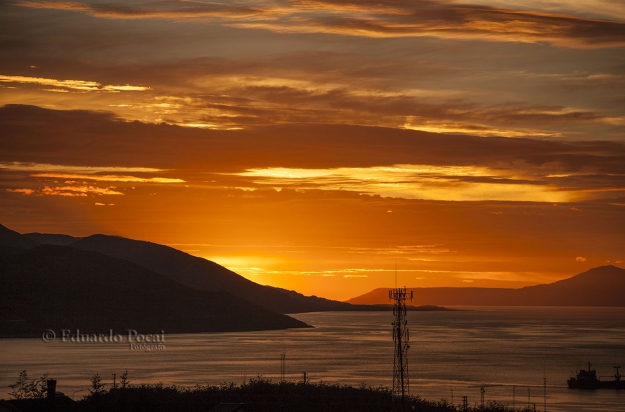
(484,275)
(267,271)
(249,264)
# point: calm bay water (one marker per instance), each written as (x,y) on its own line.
(509,351)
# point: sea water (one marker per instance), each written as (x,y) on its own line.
(518,356)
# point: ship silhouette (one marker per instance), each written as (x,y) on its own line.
(587,379)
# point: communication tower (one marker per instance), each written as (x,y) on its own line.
(401,381)
(282,366)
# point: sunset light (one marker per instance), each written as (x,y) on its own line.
(317,145)
(244,205)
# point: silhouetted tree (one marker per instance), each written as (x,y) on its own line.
(123,380)
(97,387)
(25,388)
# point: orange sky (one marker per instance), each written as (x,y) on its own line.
(316,145)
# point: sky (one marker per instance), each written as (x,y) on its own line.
(328,147)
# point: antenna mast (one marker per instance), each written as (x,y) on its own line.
(282,366)
(395,275)
(401,380)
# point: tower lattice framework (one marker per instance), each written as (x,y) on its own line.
(401,338)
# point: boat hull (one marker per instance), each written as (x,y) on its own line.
(576,384)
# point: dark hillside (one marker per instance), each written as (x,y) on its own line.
(57,287)
(203,274)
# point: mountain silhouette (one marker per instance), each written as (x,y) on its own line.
(59,287)
(51,239)
(13,241)
(203,274)
(601,286)
(184,269)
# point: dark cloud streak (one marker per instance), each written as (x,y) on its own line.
(377,19)
(100,139)
(172,9)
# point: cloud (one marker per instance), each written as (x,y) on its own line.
(271,100)
(408,164)
(378,19)
(24,191)
(80,85)
(392,19)
(73,191)
(580,259)
(172,9)
(234,93)
(109,178)
(312,102)
(419,182)
(371,106)
(217,77)
(594,80)
(69,191)
(44,167)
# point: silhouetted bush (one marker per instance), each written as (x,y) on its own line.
(263,395)
(25,388)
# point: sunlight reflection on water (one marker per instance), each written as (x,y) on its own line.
(450,351)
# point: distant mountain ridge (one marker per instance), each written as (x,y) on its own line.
(600,286)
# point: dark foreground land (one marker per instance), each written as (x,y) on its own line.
(261,395)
